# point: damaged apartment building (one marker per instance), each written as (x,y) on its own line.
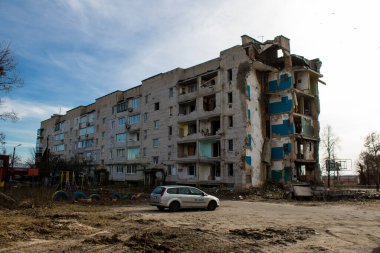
(248,116)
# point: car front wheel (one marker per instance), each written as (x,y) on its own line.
(211,206)
(174,206)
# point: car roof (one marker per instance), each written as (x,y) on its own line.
(175,186)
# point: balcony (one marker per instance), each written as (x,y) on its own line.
(209,84)
(187,151)
(187,89)
(304,126)
(209,150)
(187,107)
(305,150)
(39,133)
(132,127)
(210,127)
(209,173)
(187,110)
(306,81)
(188,131)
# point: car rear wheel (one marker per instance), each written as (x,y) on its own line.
(174,206)
(211,206)
(161,208)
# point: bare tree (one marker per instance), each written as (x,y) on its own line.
(31,160)
(9,79)
(372,145)
(330,144)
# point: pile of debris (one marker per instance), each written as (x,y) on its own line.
(299,191)
(359,195)
(7,201)
(355,195)
(267,191)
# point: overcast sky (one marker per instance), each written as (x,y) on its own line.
(71,52)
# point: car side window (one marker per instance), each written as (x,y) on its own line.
(172,191)
(195,191)
(184,190)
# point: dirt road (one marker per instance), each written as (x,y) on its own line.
(237,226)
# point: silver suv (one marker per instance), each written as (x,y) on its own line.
(177,197)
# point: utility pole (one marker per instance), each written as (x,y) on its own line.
(13,156)
(6,170)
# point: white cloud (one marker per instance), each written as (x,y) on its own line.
(103,46)
(32,110)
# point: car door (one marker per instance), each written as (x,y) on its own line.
(198,198)
(185,197)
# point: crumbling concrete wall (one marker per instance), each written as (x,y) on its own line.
(255,138)
(265,89)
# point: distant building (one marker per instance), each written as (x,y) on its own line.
(248,116)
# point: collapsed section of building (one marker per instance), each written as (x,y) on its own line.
(246,117)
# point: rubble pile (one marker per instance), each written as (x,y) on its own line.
(267,191)
(366,195)
(7,201)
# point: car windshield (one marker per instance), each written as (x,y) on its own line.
(157,190)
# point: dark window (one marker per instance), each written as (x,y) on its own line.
(170,169)
(217,171)
(267,128)
(171,111)
(230,169)
(209,102)
(230,145)
(157,106)
(191,170)
(229,97)
(170,130)
(230,75)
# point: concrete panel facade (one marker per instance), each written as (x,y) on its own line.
(210,124)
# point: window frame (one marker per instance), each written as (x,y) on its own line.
(156,124)
(156,142)
(230,143)
(157,106)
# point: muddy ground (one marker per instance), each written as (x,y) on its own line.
(237,226)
